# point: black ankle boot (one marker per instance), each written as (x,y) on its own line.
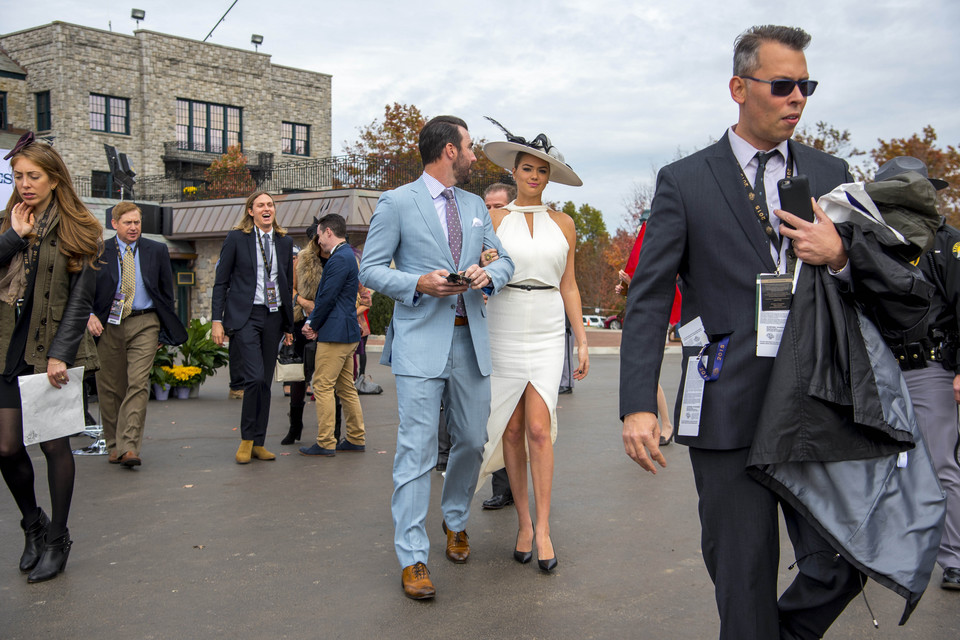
(54,559)
(33,543)
(296,425)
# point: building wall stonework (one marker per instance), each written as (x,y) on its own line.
(153,70)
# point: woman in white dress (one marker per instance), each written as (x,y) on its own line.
(525,321)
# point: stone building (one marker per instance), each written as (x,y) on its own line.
(171,104)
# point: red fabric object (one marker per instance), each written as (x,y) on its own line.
(632,267)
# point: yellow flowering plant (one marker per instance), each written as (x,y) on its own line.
(184,376)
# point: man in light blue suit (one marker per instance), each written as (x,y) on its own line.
(437,343)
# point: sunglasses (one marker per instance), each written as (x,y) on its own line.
(785,87)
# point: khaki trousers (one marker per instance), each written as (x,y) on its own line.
(123,383)
(333,374)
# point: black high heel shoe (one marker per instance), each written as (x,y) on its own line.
(33,541)
(54,559)
(549,564)
(666,441)
(523,557)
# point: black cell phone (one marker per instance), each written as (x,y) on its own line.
(456,278)
(795,197)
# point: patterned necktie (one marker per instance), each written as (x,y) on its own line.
(455,238)
(758,185)
(128,281)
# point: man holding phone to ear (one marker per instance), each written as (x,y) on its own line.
(716,222)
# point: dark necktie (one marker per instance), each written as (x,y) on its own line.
(267,255)
(455,238)
(758,186)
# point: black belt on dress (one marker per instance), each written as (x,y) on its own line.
(140,312)
(531,287)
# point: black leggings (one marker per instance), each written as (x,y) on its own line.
(17,470)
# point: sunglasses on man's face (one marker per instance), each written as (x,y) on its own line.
(785,87)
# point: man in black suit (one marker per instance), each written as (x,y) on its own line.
(715,221)
(133,311)
(253,303)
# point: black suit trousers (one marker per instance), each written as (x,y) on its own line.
(256,347)
(740,539)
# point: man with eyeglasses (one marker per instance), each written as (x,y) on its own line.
(716,221)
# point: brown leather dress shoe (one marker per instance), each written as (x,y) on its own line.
(458,545)
(416,582)
(130,459)
(113,458)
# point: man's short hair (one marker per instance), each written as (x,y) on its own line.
(745,57)
(124,207)
(499,186)
(334,222)
(436,134)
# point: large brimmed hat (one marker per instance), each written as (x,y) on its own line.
(902,164)
(504,154)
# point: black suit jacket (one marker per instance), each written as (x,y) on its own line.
(236,280)
(703,228)
(157,279)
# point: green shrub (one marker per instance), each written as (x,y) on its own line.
(201,351)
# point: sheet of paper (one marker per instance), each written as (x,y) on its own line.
(692,334)
(50,413)
(692,398)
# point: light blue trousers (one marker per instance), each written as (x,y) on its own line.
(466,399)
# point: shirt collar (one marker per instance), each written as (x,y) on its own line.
(434,186)
(123,245)
(261,232)
(744,151)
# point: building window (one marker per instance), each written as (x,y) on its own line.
(109,114)
(43,111)
(296,138)
(202,126)
(3,110)
(101,185)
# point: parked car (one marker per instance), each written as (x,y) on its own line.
(593,321)
(614,322)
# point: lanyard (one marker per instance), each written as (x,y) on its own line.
(268,268)
(717,365)
(760,209)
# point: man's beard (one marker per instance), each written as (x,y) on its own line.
(461,170)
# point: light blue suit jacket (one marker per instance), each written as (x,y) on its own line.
(405,230)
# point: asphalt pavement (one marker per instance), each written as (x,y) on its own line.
(192,545)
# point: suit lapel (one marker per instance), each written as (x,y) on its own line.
(110,252)
(798,153)
(726,171)
(421,196)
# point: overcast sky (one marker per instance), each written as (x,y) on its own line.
(619,87)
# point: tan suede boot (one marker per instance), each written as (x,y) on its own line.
(243,453)
(261,453)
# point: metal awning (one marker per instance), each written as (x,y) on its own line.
(295,212)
